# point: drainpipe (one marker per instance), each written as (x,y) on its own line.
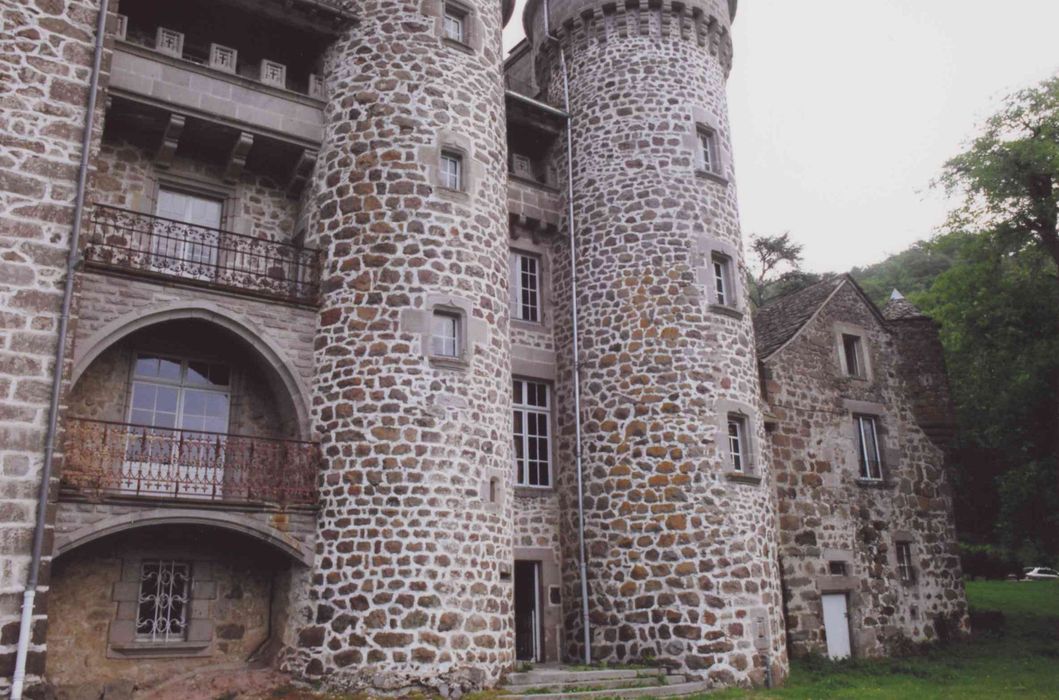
(25,631)
(576,340)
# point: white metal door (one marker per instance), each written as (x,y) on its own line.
(836,625)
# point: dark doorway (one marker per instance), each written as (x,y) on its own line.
(528,644)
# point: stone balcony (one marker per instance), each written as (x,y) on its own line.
(184,87)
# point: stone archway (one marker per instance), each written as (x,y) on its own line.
(257,338)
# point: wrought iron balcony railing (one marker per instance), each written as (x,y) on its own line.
(122,459)
(151,245)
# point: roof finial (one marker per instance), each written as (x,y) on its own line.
(896,295)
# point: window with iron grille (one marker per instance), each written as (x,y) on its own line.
(525,287)
(164,600)
(738,457)
(445,334)
(532,417)
(451,170)
(905,569)
(868,447)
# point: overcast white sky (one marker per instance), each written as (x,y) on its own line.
(844,110)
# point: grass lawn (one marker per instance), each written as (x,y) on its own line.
(1021,662)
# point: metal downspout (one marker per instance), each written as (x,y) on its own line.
(576,340)
(25,631)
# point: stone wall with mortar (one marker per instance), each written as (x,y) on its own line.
(412,579)
(681,555)
(233,585)
(46,49)
(827,514)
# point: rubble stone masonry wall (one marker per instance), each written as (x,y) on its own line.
(828,514)
(412,581)
(46,51)
(681,553)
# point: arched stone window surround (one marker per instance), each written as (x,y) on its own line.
(266,348)
(67,542)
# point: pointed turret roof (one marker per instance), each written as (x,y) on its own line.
(899,308)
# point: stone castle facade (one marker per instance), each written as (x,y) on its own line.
(318,391)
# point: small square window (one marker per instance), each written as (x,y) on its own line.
(868,447)
(454,24)
(445,334)
(708,151)
(738,456)
(836,568)
(451,170)
(853,355)
(905,570)
(722,278)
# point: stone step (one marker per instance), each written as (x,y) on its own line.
(543,676)
(566,686)
(651,691)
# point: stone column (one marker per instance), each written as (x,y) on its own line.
(411,585)
(681,547)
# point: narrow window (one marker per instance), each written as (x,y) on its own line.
(721,278)
(836,568)
(852,354)
(451,170)
(494,490)
(904,562)
(455,24)
(737,452)
(868,447)
(707,150)
(532,418)
(163,601)
(525,287)
(445,334)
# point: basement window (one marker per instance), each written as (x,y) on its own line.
(164,600)
(905,570)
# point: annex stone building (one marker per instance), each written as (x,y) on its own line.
(322,400)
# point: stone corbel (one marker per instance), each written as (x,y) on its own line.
(170,140)
(237,157)
(303,169)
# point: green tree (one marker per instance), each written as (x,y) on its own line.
(1008,178)
(775,268)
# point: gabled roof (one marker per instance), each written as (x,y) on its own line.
(779,321)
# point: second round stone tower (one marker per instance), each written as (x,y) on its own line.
(680,520)
(412,395)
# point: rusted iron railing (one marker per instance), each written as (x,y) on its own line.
(122,459)
(155,246)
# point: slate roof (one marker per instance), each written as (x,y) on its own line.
(780,319)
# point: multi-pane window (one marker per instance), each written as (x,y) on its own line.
(868,447)
(454,24)
(532,416)
(525,287)
(163,601)
(707,150)
(721,279)
(188,243)
(445,334)
(738,457)
(905,570)
(853,355)
(181,409)
(451,170)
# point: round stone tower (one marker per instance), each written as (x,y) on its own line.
(412,394)
(680,519)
